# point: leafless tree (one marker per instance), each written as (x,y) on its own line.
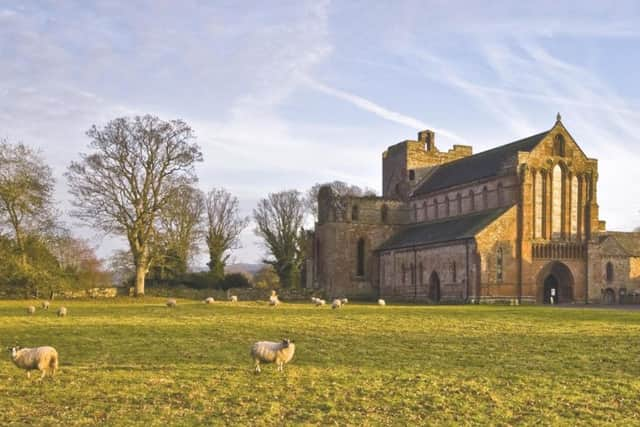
(279,219)
(340,189)
(123,185)
(178,230)
(26,189)
(224,225)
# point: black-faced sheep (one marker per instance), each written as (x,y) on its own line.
(45,305)
(279,353)
(44,359)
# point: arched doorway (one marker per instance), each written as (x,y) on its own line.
(556,280)
(434,287)
(609,296)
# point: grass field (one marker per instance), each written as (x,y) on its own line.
(130,362)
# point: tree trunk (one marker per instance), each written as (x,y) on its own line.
(141,272)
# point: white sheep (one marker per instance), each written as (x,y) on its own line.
(209,300)
(171,303)
(336,303)
(233,298)
(381,302)
(279,353)
(273,300)
(320,302)
(44,359)
(31,309)
(314,300)
(45,305)
(62,311)
(344,301)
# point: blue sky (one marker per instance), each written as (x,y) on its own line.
(286,94)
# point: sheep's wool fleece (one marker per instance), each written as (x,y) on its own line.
(30,358)
(270,352)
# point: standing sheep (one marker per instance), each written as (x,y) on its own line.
(233,298)
(273,300)
(62,311)
(344,301)
(45,305)
(31,309)
(279,353)
(44,359)
(209,300)
(171,303)
(336,303)
(320,302)
(381,302)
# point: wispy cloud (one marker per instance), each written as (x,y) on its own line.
(379,110)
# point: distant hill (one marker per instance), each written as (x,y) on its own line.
(250,269)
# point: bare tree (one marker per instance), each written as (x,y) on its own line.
(224,225)
(123,185)
(178,230)
(279,220)
(26,188)
(340,189)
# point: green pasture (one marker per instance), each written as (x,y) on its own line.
(137,362)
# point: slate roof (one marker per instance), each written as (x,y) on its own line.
(629,242)
(482,165)
(447,230)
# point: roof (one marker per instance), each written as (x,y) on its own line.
(447,230)
(628,241)
(482,165)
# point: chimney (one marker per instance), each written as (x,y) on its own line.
(428,137)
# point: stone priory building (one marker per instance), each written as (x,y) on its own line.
(518,222)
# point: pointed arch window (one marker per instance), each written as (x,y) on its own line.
(360,258)
(436,208)
(485,198)
(426,211)
(458,204)
(447,206)
(609,272)
(404,273)
(500,194)
(355,213)
(472,201)
(499,265)
(558,145)
(454,272)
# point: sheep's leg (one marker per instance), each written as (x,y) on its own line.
(257,362)
(28,374)
(280,364)
(44,373)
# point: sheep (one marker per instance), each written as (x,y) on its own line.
(209,300)
(171,303)
(31,309)
(45,305)
(44,359)
(315,300)
(273,300)
(62,311)
(344,301)
(279,353)
(233,298)
(336,303)
(320,302)
(381,302)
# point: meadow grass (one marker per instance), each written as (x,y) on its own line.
(133,362)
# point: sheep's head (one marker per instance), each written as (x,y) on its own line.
(14,351)
(286,342)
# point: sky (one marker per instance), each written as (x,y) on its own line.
(285,94)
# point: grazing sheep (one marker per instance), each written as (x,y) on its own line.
(336,303)
(279,353)
(62,311)
(209,300)
(381,302)
(171,302)
(31,309)
(273,300)
(315,300)
(320,302)
(44,359)
(344,301)
(233,298)
(45,305)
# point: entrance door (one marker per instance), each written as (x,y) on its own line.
(434,287)
(609,296)
(550,289)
